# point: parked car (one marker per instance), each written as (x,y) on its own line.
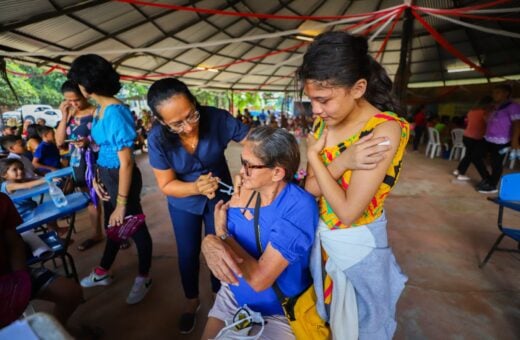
(32,112)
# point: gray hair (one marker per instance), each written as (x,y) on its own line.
(276,147)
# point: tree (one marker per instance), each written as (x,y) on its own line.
(27,94)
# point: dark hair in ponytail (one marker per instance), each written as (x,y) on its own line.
(166,88)
(341,59)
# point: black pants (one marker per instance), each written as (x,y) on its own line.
(142,239)
(497,161)
(419,131)
(475,152)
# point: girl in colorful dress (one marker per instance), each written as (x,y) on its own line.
(350,98)
(75,127)
(119,180)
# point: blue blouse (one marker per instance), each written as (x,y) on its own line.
(289,225)
(112,133)
(216,129)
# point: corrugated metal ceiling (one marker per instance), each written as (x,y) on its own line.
(31,25)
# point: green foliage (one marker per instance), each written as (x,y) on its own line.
(25,91)
(38,89)
(133,91)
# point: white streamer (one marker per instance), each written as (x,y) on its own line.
(479,28)
(380,29)
(176,48)
(498,10)
(290,60)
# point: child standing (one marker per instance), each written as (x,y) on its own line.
(47,154)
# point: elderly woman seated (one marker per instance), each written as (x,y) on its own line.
(287,217)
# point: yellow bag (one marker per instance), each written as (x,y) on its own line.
(303,316)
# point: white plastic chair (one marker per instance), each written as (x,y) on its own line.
(458,150)
(434,146)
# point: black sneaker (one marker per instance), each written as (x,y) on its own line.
(188,321)
(487,188)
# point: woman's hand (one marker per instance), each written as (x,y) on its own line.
(65,109)
(315,146)
(221,259)
(221,218)
(117,217)
(100,191)
(207,185)
(81,142)
(365,154)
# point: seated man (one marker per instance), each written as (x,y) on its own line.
(288,217)
(46,285)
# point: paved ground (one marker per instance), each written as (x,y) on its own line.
(439,229)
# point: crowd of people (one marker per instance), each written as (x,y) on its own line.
(270,243)
(491,133)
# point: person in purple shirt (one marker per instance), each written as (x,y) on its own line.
(503,130)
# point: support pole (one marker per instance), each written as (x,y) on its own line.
(403,71)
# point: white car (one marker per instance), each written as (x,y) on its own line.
(33,113)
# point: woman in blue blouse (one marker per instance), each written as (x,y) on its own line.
(119,180)
(186,149)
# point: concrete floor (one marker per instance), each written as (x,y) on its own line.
(439,229)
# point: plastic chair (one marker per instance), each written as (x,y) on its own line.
(47,212)
(434,146)
(508,197)
(458,150)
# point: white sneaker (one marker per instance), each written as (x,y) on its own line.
(456,172)
(463,178)
(139,290)
(96,280)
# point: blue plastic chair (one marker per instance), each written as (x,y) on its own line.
(508,197)
(47,212)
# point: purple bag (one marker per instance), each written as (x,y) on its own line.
(130,226)
(15,293)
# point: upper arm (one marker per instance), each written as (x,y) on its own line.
(365,183)
(125,156)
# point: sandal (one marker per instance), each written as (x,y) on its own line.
(87,244)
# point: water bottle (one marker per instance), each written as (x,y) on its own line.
(57,195)
(75,157)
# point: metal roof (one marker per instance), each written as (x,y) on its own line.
(101,25)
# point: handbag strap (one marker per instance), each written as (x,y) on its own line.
(281,297)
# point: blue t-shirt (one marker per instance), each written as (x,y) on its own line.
(25,207)
(112,133)
(216,129)
(48,154)
(288,224)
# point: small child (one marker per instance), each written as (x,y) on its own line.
(16,148)
(13,178)
(47,155)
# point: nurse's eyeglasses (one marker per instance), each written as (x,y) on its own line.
(178,127)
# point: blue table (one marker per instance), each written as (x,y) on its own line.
(59,173)
(24,194)
(47,211)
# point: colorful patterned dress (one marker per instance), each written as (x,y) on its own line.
(375,207)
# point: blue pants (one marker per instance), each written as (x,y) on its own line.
(187,228)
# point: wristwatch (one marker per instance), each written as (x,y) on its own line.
(225,236)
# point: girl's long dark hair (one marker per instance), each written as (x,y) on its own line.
(341,59)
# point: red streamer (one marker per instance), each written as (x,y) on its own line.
(252,15)
(464,15)
(464,9)
(447,46)
(387,37)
